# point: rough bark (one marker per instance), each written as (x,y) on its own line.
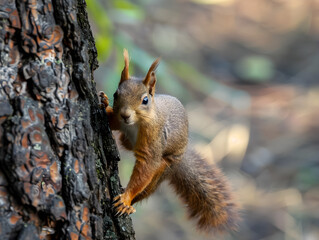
(58,160)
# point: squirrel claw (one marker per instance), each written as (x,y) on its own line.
(131,210)
(124,211)
(122,207)
(117,198)
(117,204)
(118,213)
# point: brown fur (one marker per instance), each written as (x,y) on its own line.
(206,192)
(125,73)
(157,133)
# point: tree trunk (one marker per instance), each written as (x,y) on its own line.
(58,160)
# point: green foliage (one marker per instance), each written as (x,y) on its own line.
(127,12)
(103,36)
(307,178)
(255,68)
(104,19)
(207,86)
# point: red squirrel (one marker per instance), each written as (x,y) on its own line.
(155,128)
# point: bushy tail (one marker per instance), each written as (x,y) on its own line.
(206,192)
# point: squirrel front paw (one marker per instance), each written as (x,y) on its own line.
(104,99)
(122,205)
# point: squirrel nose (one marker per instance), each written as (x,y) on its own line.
(125,116)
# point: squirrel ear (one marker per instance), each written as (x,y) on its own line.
(125,72)
(150,78)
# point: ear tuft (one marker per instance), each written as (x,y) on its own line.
(125,72)
(154,65)
(150,79)
(151,71)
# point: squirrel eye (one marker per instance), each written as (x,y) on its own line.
(145,100)
(115,95)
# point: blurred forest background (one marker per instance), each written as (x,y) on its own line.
(248,73)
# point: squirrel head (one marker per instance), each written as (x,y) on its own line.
(134,98)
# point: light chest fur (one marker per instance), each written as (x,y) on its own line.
(130,132)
